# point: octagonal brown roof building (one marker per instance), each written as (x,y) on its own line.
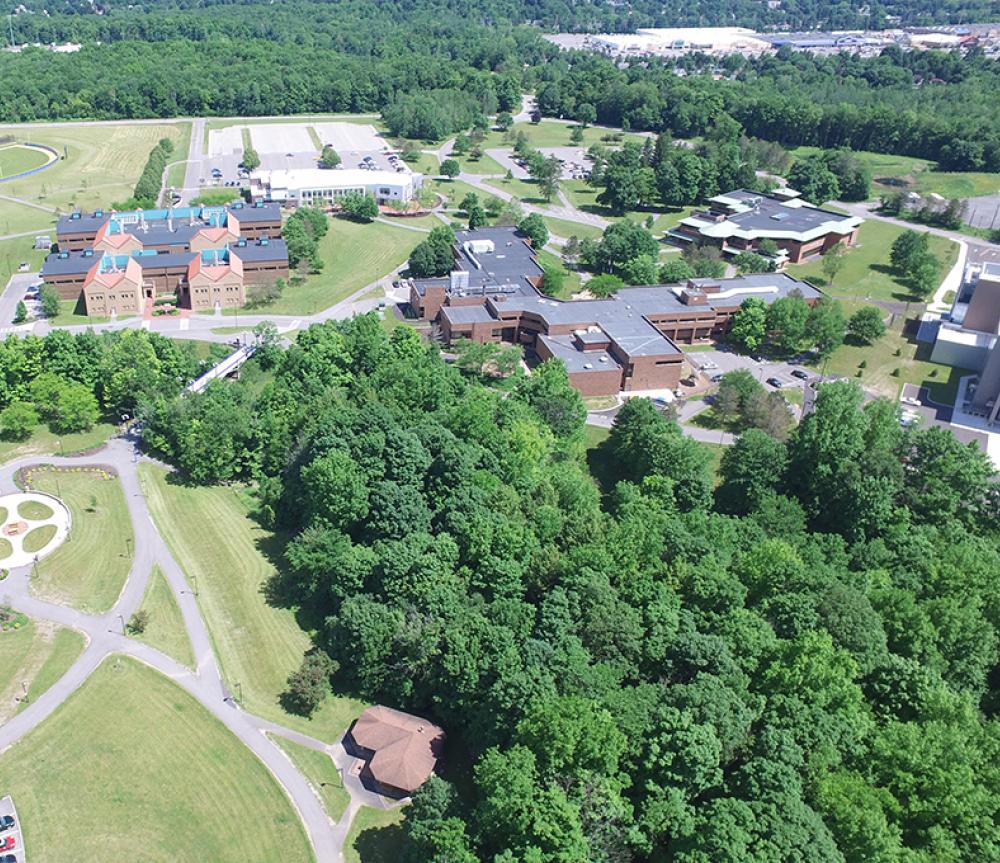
(404,748)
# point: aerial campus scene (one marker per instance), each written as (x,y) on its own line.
(501,432)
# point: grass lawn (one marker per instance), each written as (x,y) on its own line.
(37,654)
(17,218)
(15,159)
(865,274)
(38,537)
(556,133)
(165,630)
(453,191)
(89,569)
(132,768)
(13,252)
(483,165)
(920,174)
(354,255)
(375,836)
(34,510)
(525,190)
(427,164)
(43,442)
(256,644)
(567,229)
(320,771)
(74,313)
(101,166)
(5,549)
(571,281)
(175,173)
(881,361)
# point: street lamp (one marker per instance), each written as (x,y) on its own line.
(128,546)
(239,690)
(122,619)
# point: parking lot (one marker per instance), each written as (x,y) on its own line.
(11,840)
(717,362)
(285,146)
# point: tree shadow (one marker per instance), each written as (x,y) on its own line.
(281,590)
(602,465)
(380,844)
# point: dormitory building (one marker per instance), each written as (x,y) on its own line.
(202,257)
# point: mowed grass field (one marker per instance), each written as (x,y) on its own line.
(866,274)
(165,630)
(101,166)
(37,655)
(320,771)
(921,174)
(14,159)
(44,442)
(132,768)
(89,569)
(375,836)
(354,255)
(213,538)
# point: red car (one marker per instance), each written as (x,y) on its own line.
(7,843)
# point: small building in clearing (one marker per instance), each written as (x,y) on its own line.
(401,749)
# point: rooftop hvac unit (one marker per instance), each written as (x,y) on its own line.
(604,359)
(588,365)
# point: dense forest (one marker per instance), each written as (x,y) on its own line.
(596,16)
(356,56)
(798,665)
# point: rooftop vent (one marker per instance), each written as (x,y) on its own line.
(88,253)
(588,365)
(604,359)
(779,217)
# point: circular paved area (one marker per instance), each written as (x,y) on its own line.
(26,511)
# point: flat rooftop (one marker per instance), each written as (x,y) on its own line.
(329,178)
(79,222)
(763,215)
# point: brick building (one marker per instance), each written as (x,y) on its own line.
(201,257)
(737,222)
(628,342)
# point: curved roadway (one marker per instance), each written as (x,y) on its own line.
(205,683)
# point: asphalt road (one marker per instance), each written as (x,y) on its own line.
(205,683)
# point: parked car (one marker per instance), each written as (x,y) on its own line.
(8,858)
(716,378)
(216,173)
(708,364)
(774,382)
(6,823)
(800,374)
(7,843)
(23,267)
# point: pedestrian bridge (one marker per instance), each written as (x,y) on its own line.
(223,368)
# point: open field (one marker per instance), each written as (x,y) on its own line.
(74,312)
(866,274)
(177,166)
(453,191)
(227,122)
(89,569)
(556,133)
(15,159)
(165,630)
(571,281)
(567,229)
(17,218)
(174,784)
(920,176)
(354,255)
(885,373)
(101,163)
(37,654)
(320,771)
(375,836)
(257,644)
(44,442)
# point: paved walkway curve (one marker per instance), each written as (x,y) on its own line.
(205,683)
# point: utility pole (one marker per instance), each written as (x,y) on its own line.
(10,23)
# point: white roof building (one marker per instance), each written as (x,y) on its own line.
(319,186)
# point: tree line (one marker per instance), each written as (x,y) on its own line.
(799,664)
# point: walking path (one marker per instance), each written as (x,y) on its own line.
(205,683)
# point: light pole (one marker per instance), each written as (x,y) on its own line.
(24,686)
(128,546)
(194,584)
(239,690)
(122,619)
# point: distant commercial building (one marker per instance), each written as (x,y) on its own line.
(201,257)
(663,40)
(322,187)
(628,342)
(737,221)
